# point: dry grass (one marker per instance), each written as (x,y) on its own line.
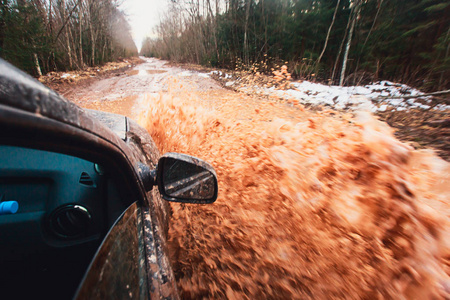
(57,80)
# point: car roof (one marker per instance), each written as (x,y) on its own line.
(21,91)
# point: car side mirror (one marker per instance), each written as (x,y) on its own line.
(183,178)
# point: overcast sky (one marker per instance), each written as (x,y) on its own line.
(143,15)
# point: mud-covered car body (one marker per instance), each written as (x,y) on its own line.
(81,179)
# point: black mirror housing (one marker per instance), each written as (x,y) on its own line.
(187,179)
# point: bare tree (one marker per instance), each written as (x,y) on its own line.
(328,35)
(247,14)
(349,41)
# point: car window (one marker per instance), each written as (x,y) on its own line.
(53,223)
(118,269)
(55,210)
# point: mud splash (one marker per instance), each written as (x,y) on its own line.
(311,205)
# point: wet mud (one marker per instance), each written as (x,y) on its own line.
(156,71)
(312,205)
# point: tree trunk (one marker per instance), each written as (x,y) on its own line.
(66,33)
(91,30)
(342,45)
(50,18)
(441,78)
(373,23)
(214,29)
(80,20)
(72,45)
(367,37)
(247,14)
(347,47)
(36,64)
(328,36)
(377,71)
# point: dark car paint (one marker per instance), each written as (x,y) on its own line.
(120,257)
(31,115)
(116,123)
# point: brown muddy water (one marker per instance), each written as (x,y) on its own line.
(312,205)
(123,106)
(156,71)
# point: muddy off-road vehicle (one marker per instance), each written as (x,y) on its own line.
(79,214)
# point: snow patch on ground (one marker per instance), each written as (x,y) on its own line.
(377,97)
(221,74)
(381,96)
(67,75)
(186,74)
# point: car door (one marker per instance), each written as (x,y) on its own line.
(118,270)
(132,262)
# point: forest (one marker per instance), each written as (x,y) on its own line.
(40,36)
(346,42)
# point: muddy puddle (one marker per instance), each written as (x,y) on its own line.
(151,71)
(132,72)
(312,205)
(123,106)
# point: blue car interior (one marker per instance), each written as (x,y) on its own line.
(55,210)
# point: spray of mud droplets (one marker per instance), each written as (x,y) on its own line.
(311,205)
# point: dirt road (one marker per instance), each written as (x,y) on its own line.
(123,92)
(312,204)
